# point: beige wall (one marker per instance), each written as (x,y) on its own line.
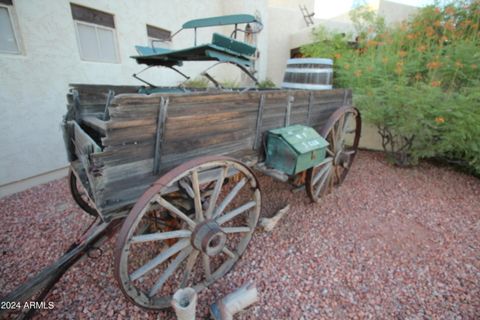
(33,84)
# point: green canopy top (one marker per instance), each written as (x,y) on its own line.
(220,21)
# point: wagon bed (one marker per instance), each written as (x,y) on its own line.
(120,142)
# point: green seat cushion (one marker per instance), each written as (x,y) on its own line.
(239,47)
(149,51)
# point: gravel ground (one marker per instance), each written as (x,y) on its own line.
(389,243)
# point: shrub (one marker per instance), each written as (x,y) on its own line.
(266,84)
(200,83)
(419,82)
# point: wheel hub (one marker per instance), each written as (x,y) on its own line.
(208,238)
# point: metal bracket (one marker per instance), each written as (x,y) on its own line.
(161,120)
(209,77)
(259,121)
(310,105)
(106,115)
(288,111)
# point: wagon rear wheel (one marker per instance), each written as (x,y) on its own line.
(342,131)
(188,229)
(80,196)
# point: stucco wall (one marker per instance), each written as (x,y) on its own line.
(395,12)
(260,8)
(282,23)
(33,85)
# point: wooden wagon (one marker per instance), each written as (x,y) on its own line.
(183,162)
(175,170)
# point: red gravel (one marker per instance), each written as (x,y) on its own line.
(389,243)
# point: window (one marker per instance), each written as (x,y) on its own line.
(158,37)
(8,34)
(95,34)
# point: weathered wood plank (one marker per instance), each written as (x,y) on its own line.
(95,123)
(200,123)
(159,137)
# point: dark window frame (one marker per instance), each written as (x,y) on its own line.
(85,14)
(158,33)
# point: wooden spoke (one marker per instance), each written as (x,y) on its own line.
(235,212)
(339,132)
(330,152)
(170,207)
(236,229)
(198,198)
(342,122)
(229,198)
(192,259)
(150,265)
(332,140)
(184,184)
(320,173)
(206,267)
(216,193)
(157,236)
(229,253)
(337,172)
(323,181)
(170,270)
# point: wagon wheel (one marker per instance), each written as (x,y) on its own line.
(187,230)
(80,196)
(343,125)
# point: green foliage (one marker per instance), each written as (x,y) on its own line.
(327,44)
(266,84)
(230,84)
(200,83)
(419,82)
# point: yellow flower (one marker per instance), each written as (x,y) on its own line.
(418,77)
(384,60)
(337,55)
(439,120)
(357,73)
(435,83)
(402,53)
(437,23)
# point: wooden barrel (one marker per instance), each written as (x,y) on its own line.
(308,74)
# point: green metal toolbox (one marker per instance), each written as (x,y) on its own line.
(294,149)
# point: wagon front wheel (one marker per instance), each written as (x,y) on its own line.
(342,131)
(187,230)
